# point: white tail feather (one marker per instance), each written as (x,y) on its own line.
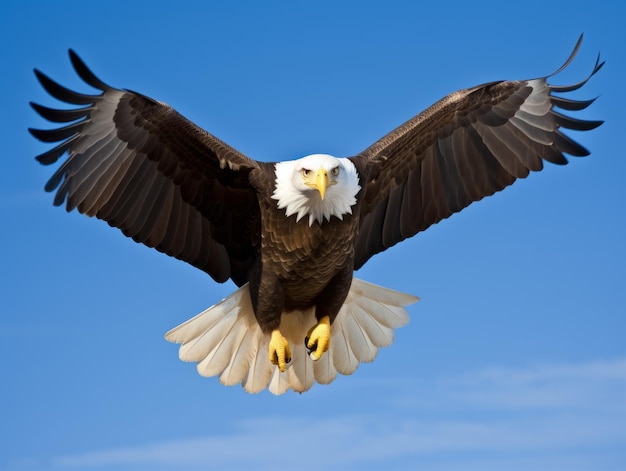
(344,360)
(226,341)
(258,374)
(324,369)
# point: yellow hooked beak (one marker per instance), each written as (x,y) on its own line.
(319,181)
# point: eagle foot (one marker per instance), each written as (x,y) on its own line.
(317,340)
(279,351)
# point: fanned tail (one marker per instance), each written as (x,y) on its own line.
(226,340)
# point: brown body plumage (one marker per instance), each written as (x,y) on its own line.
(168,184)
(313,266)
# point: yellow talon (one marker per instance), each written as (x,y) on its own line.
(279,351)
(318,339)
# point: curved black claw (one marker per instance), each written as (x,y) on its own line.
(306,345)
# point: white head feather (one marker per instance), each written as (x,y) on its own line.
(296,197)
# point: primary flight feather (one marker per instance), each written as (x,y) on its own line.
(290,234)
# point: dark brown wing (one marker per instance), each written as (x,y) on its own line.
(468,145)
(144,168)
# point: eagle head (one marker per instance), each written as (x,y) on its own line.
(318,185)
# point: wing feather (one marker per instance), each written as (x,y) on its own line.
(144,168)
(465,147)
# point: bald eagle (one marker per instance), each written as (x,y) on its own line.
(291,234)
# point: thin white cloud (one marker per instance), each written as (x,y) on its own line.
(556,387)
(550,413)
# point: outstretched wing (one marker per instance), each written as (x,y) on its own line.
(466,146)
(144,168)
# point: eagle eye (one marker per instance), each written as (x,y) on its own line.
(335,171)
(306,173)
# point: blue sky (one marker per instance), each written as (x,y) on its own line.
(514,359)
